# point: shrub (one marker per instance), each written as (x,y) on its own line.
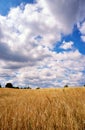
(17,87)
(66,86)
(24,88)
(28,87)
(38,88)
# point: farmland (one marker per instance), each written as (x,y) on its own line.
(42,109)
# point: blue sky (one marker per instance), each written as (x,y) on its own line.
(42,44)
(5,5)
(75,36)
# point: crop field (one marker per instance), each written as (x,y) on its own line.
(42,109)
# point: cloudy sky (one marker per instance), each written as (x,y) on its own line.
(42,42)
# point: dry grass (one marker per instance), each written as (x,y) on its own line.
(43,109)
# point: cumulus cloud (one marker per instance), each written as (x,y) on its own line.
(27,37)
(67,45)
(67,13)
(8,55)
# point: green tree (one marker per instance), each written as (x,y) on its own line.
(9,85)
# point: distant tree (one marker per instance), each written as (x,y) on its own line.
(9,85)
(38,88)
(66,86)
(84,85)
(0,85)
(24,88)
(17,87)
(28,87)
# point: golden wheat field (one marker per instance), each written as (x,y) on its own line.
(43,109)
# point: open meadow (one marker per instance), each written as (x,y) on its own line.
(42,109)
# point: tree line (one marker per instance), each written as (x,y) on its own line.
(10,85)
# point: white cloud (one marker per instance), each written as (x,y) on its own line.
(67,45)
(67,13)
(83,38)
(82,30)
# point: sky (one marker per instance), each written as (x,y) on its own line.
(42,43)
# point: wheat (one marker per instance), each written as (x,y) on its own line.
(43,109)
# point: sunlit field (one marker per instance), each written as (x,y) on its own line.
(42,109)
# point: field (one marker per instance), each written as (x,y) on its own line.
(42,109)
